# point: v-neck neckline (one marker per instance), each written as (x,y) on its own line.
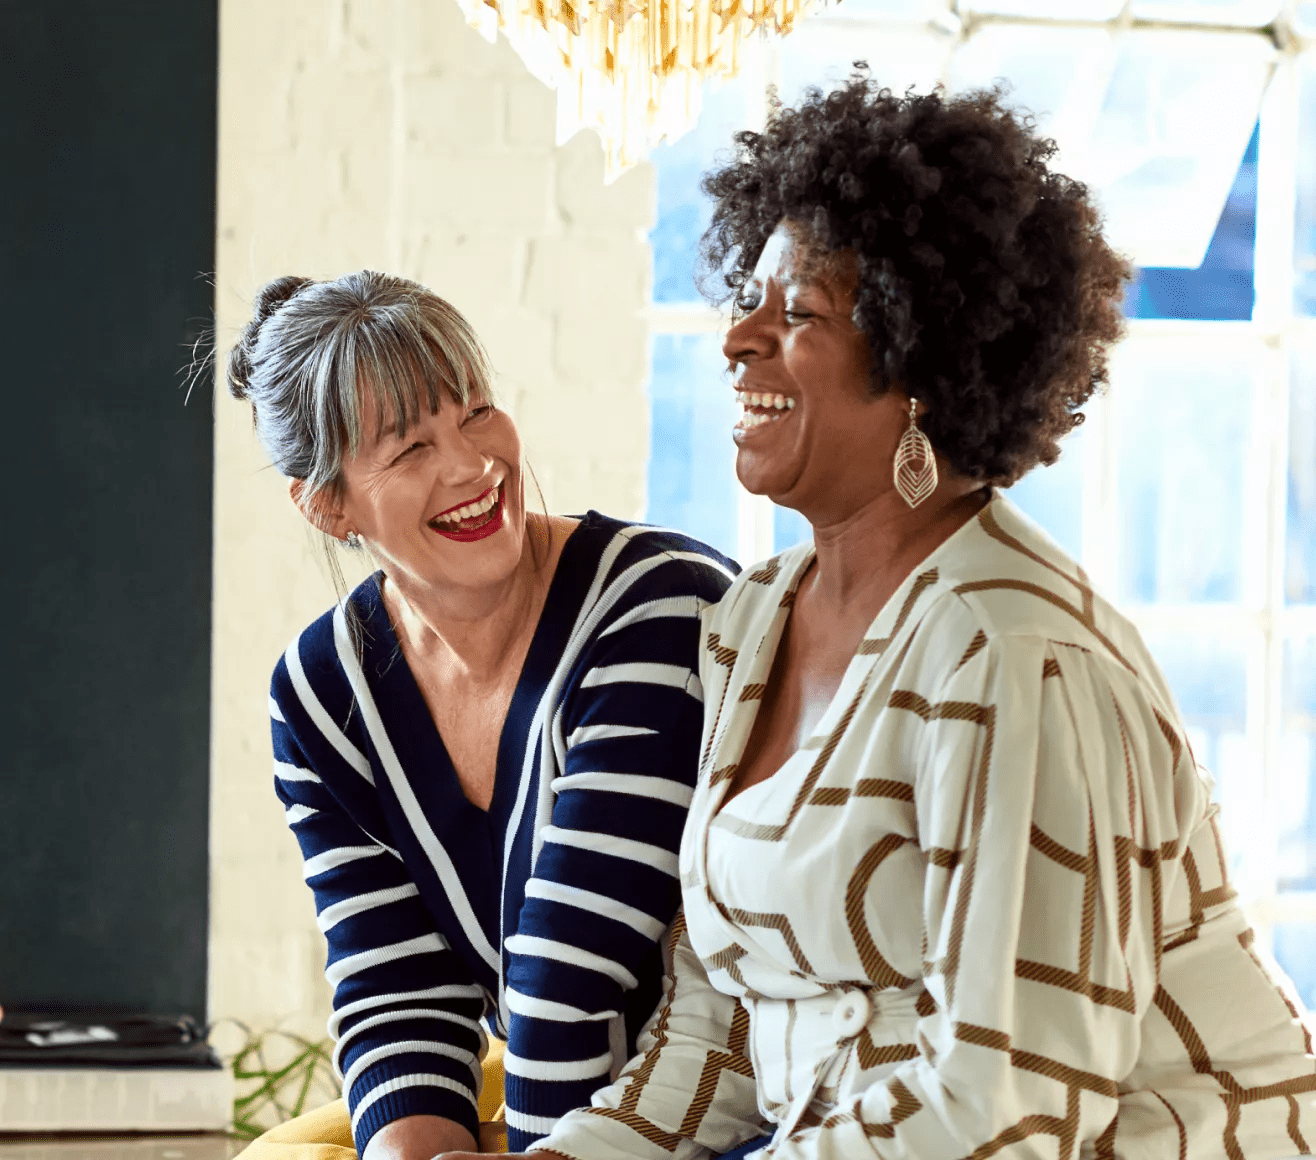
(401,704)
(744,714)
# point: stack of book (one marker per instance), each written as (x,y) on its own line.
(102,1071)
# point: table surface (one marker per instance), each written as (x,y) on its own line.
(125,1146)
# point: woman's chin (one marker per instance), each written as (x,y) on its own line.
(764,474)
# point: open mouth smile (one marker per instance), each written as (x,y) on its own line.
(472,521)
(762,407)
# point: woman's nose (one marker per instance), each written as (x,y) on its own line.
(747,339)
(462,460)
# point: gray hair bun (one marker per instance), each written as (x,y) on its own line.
(272,296)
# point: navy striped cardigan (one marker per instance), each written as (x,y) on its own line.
(542,916)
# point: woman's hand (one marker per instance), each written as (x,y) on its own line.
(419,1138)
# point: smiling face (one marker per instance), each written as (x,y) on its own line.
(813,436)
(442,505)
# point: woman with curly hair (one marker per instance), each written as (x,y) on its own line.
(952,881)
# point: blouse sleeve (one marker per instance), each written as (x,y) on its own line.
(405,1008)
(688,1093)
(1045,794)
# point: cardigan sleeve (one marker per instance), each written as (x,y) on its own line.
(405,1008)
(689,1093)
(604,886)
(1052,799)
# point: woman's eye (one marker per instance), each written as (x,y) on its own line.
(481,411)
(745,304)
(793,314)
(408,450)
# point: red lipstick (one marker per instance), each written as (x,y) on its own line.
(493,522)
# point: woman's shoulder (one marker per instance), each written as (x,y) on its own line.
(645,561)
(314,657)
(1006,584)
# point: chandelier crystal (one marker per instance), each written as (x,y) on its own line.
(633,70)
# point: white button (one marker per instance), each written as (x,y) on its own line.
(852,1013)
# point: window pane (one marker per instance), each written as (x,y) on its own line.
(1300,548)
(1222,286)
(788,529)
(1208,676)
(1053,496)
(692,485)
(821,53)
(1304,239)
(1295,774)
(1238,13)
(1295,951)
(684,212)
(882,10)
(1074,9)
(1180,421)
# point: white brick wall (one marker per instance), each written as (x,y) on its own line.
(387,134)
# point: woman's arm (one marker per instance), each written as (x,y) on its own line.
(604,886)
(405,1009)
(689,1093)
(1046,803)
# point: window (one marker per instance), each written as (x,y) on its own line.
(1190,493)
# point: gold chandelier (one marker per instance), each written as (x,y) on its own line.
(631,69)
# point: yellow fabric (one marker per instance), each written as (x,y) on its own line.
(326,1133)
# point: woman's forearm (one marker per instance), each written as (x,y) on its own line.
(418,1138)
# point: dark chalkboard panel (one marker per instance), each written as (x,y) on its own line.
(107,219)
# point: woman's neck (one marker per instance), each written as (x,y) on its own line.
(476,630)
(864,558)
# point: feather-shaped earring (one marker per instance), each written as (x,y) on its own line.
(916,464)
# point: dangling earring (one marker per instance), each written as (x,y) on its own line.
(353,541)
(916,465)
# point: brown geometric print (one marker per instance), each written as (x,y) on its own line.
(1051,598)
(881,973)
(976,645)
(734,1059)
(778,922)
(774,833)
(1058,769)
(721,653)
(727,658)
(715,1063)
(767,574)
(869,647)
(1079,981)
(865,787)
(1233,1093)
(983,716)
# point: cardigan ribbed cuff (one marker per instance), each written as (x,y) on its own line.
(419,1099)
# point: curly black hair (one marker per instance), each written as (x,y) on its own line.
(985,286)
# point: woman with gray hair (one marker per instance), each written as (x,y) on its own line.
(486,751)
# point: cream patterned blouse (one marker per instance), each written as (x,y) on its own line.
(984,911)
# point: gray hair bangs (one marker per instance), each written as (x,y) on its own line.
(327,366)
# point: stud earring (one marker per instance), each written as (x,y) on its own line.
(916,464)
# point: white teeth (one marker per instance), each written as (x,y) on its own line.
(756,419)
(470,510)
(776,404)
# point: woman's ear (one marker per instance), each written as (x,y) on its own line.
(318,512)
